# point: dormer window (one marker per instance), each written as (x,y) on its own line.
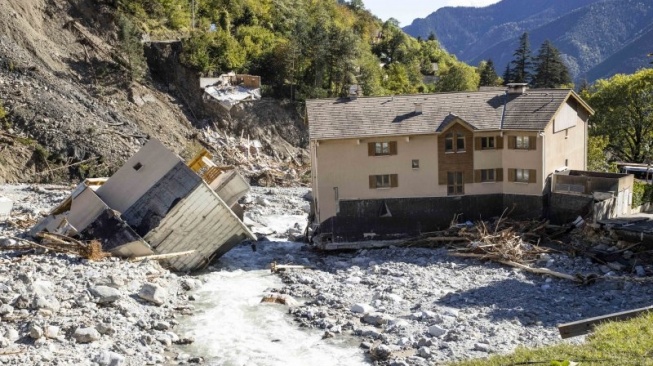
(454,142)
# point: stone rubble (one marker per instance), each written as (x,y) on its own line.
(59,308)
(404,306)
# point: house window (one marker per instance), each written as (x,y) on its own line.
(460,142)
(522,175)
(138,166)
(522,142)
(448,142)
(487,142)
(384,181)
(382,148)
(487,175)
(415,164)
(455,183)
(454,142)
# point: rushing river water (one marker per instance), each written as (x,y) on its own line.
(233,328)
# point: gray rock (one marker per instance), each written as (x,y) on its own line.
(86,335)
(424,352)
(105,329)
(640,271)
(362,308)
(377,319)
(108,358)
(483,347)
(35,332)
(6,309)
(12,335)
(52,331)
(104,294)
(382,352)
(161,325)
(49,303)
(437,331)
(153,293)
(4,342)
(42,288)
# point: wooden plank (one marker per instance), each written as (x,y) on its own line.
(585,326)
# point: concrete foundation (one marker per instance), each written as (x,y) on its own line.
(387,219)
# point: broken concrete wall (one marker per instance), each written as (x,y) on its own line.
(146,213)
(137,176)
(565,208)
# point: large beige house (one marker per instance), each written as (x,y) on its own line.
(407,163)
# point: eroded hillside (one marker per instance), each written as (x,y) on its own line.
(72,111)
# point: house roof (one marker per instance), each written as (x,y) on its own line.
(395,115)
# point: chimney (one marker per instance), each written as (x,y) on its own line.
(354,91)
(418,108)
(517,88)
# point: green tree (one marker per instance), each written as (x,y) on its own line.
(597,160)
(522,63)
(488,75)
(624,114)
(507,75)
(131,47)
(550,71)
(459,77)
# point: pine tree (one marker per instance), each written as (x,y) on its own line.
(507,75)
(550,71)
(488,74)
(132,48)
(521,70)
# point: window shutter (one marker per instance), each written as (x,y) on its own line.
(499,142)
(532,142)
(511,175)
(372,181)
(498,174)
(442,178)
(393,147)
(512,142)
(477,143)
(532,178)
(477,175)
(370,148)
(394,180)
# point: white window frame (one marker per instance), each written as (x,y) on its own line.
(522,142)
(522,175)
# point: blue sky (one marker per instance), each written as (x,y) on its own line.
(407,10)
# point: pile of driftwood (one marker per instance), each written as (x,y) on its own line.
(509,242)
(57,243)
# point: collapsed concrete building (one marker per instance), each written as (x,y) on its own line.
(158,204)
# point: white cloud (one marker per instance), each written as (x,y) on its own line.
(407,10)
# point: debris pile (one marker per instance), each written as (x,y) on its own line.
(262,169)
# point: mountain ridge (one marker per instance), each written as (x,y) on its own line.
(588,32)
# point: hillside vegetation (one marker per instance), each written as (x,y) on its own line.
(301,48)
(597,38)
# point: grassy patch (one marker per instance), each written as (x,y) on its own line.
(627,343)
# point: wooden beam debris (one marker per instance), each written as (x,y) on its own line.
(585,326)
(162,256)
(275,268)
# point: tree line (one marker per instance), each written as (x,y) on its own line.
(544,70)
(303,48)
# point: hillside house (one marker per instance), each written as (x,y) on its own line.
(398,165)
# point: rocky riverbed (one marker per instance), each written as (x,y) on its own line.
(393,306)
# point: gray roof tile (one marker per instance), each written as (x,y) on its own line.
(395,115)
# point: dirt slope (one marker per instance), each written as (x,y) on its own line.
(70,102)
